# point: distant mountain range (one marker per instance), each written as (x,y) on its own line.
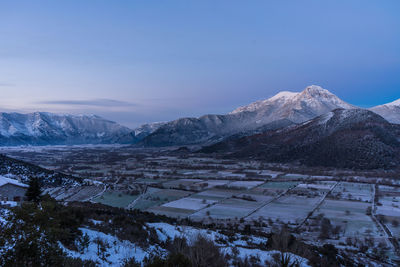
(41,128)
(282,110)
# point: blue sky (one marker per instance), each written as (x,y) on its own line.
(144,61)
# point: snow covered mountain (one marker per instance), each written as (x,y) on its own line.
(297,107)
(42,128)
(285,107)
(390,111)
(353,138)
(146,129)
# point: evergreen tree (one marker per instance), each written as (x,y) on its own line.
(31,235)
(34,192)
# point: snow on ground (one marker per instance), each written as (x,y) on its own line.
(390,206)
(267,255)
(165,230)
(189,203)
(3,215)
(315,186)
(117,252)
(247,184)
(273,174)
(9,203)
(96,222)
(212,183)
(295,176)
(231,174)
(196,172)
(388,211)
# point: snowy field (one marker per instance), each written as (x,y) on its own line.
(317,186)
(245,184)
(289,209)
(354,191)
(351,215)
(189,203)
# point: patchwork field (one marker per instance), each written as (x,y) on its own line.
(231,208)
(288,209)
(156,197)
(354,191)
(351,216)
(115,199)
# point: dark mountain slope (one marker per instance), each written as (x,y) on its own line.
(356,138)
(24,170)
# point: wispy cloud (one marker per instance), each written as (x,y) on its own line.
(92,102)
(4,84)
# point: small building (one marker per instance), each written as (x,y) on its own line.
(12,190)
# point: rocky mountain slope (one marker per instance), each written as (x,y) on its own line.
(353,138)
(41,128)
(297,107)
(285,106)
(390,111)
(22,171)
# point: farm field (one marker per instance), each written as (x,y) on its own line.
(388,208)
(231,208)
(354,191)
(228,192)
(351,216)
(189,203)
(290,209)
(115,199)
(158,197)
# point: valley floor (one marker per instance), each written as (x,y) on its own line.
(357,212)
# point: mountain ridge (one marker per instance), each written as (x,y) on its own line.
(44,128)
(356,138)
(390,111)
(281,110)
(296,107)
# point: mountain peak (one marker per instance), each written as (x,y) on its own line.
(390,111)
(320,99)
(315,90)
(394,103)
(283,95)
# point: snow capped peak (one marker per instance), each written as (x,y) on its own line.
(284,95)
(315,91)
(390,111)
(312,101)
(320,99)
(394,103)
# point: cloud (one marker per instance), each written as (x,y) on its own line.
(3,84)
(92,103)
